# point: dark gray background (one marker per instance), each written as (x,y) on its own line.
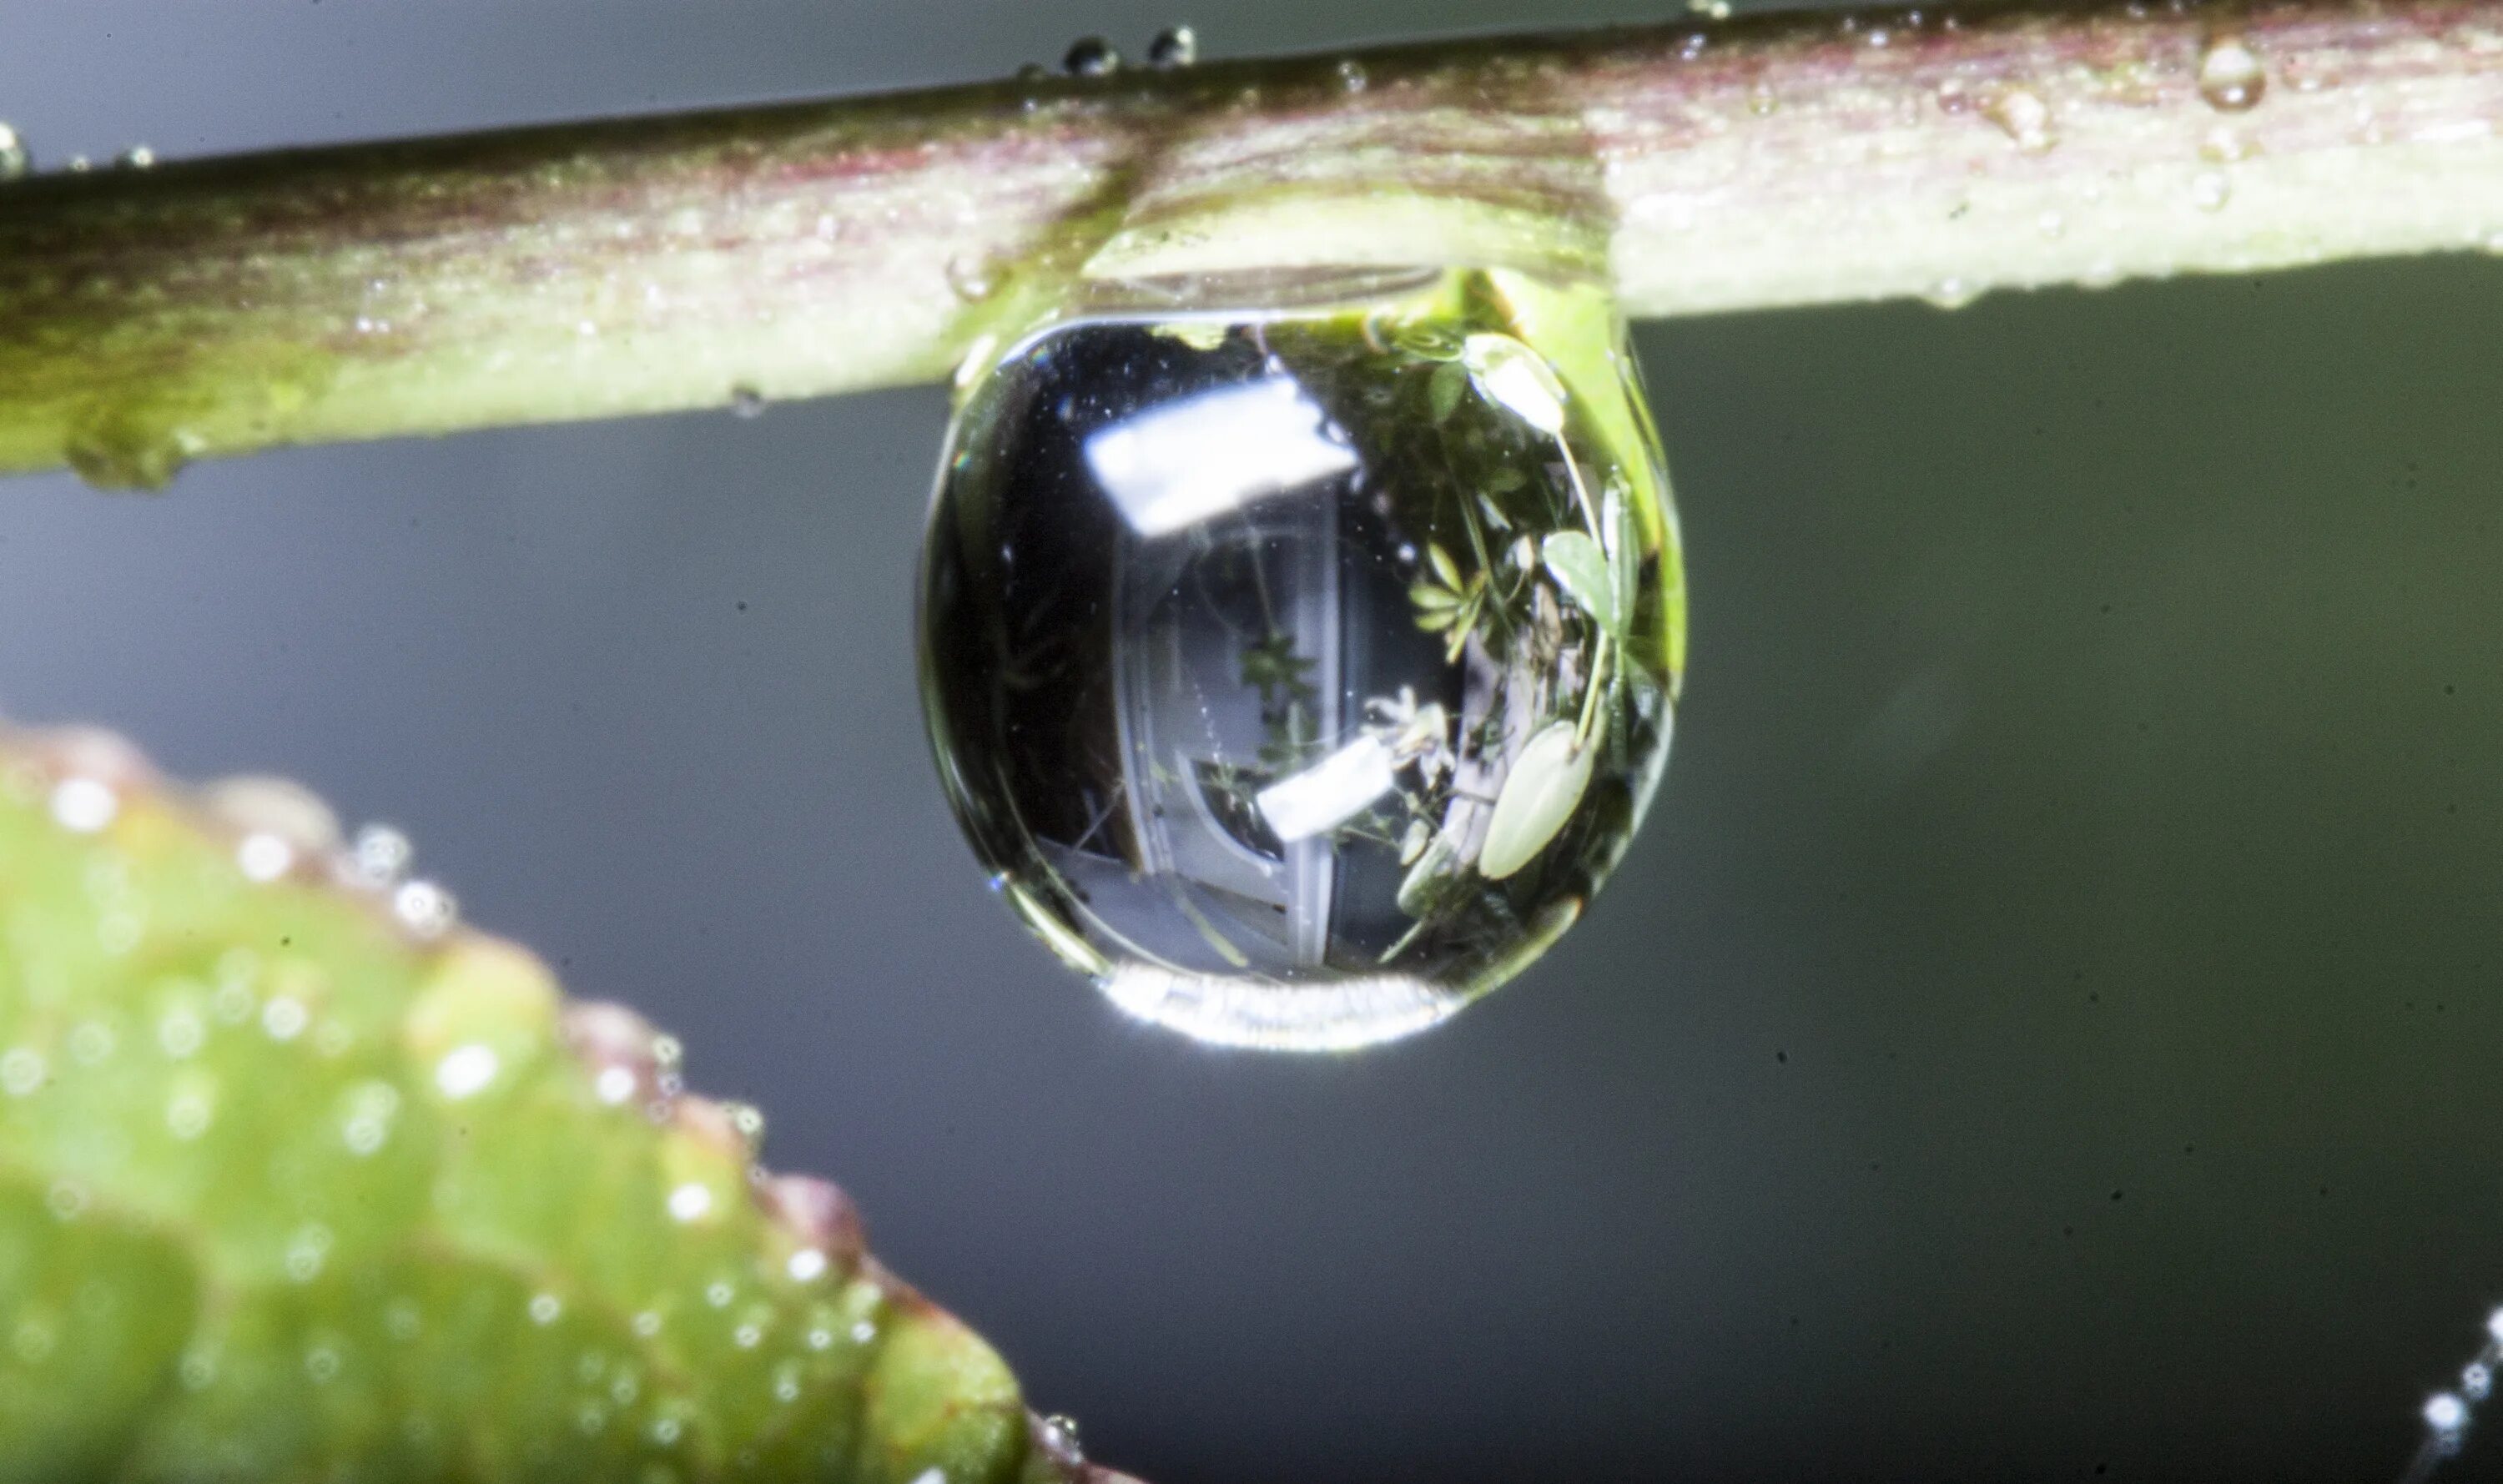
(2046,1029)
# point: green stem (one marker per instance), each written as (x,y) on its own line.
(641,265)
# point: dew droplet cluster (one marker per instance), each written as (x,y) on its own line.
(1300,653)
(298,1179)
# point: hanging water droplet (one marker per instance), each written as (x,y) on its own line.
(1231,674)
(15,161)
(2231,76)
(746,403)
(1352,76)
(1174,47)
(1090,57)
(136,157)
(1953,292)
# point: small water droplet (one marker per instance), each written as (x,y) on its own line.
(545,1308)
(321,1365)
(2445,1413)
(282,824)
(1174,47)
(136,157)
(2209,190)
(80,164)
(198,1370)
(1352,76)
(179,1032)
(425,909)
(92,1042)
(863,1333)
(22,1071)
(380,856)
(1065,1428)
(2231,76)
(746,403)
(306,1251)
(2226,145)
(746,1336)
(1090,57)
(1952,293)
(15,161)
(969,278)
(284,1018)
(2023,116)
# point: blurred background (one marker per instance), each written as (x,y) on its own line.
(2046,1029)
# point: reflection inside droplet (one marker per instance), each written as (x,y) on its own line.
(1301,654)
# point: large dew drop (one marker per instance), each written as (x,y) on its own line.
(1300,653)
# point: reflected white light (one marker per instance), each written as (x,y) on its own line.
(465,1071)
(2445,1413)
(264,856)
(1330,792)
(1328,1015)
(1171,468)
(83,805)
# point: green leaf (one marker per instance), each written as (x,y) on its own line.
(1586,577)
(1539,795)
(1443,391)
(1444,566)
(296,1185)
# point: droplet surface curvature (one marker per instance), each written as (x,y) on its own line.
(1300,652)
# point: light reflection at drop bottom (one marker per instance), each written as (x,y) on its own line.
(1301,665)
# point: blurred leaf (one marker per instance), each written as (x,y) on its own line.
(295,1186)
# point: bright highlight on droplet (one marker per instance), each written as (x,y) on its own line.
(2445,1413)
(1300,653)
(83,805)
(806,1266)
(263,857)
(690,1201)
(465,1070)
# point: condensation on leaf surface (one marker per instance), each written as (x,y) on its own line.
(1300,651)
(293,1188)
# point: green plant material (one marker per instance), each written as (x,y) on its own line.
(1587,577)
(1539,795)
(298,1182)
(193,308)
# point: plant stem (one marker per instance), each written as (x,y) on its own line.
(648,264)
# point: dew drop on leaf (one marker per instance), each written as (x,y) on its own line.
(1251,609)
